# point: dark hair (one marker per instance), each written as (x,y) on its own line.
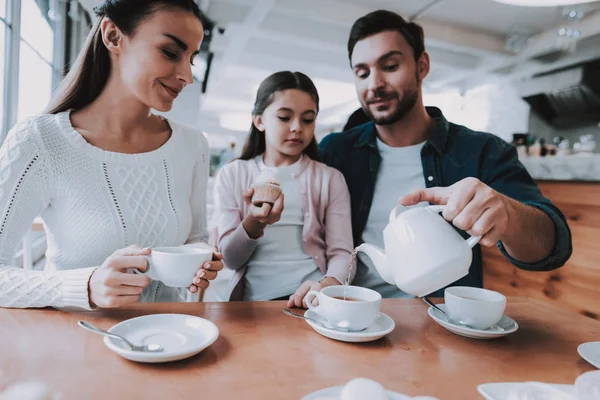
(91,70)
(256,143)
(381,21)
(358,117)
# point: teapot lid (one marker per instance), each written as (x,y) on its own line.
(402,209)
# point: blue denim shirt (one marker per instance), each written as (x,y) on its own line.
(452,153)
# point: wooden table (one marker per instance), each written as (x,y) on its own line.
(263,354)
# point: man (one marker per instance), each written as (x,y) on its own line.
(412,153)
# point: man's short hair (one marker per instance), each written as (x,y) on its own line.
(381,21)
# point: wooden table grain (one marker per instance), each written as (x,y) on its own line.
(575,286)
(263,354)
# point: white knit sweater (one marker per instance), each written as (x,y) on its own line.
(93,202)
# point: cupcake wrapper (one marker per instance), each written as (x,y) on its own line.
(265,193)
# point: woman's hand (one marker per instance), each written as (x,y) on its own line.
(259,217)
(111,286)
(208,272)
(297,299)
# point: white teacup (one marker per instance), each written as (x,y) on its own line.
(176,266)
(356,313)
(480,308)
(587,386)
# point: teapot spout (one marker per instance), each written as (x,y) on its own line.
(379,259)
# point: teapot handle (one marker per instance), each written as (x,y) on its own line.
(471,242)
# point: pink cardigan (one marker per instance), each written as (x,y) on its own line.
(327,231)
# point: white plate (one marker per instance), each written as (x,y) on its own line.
(590,352)
(506,322)
(181,336)
(336,391)
(527,390)
(382,326)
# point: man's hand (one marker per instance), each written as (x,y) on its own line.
(472,206)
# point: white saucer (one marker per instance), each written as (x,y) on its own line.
(336,391)
(181,336)
(382,326)
(528,390)
(506,322)
(590,352)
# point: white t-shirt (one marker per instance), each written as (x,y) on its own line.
(279,265)
(400,172)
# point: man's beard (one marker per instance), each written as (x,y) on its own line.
(403,106)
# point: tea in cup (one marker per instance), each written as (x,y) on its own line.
(479,308)
(351,307)
(176,266)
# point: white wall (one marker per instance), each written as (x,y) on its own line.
(495,108)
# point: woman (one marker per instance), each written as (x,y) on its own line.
(277,252)
(104,172)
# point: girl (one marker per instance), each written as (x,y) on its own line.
(103,171)
(304,240)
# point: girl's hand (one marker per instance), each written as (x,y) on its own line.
(259,217)
(208,272)
(297,299)
(266,214)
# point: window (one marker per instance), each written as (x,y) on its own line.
(35,29)
(35,64)
(35,83)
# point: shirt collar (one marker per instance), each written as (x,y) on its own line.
(438,138)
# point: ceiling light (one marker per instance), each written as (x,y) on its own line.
(543,3)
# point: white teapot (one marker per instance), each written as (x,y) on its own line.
(423,253)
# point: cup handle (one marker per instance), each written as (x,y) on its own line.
(148,271)
(471,242)
(310,296)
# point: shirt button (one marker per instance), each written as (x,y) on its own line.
(306,215)
(304,240)
(316,257)
(430,178)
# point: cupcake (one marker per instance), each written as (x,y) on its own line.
(266,188)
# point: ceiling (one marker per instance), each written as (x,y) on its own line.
(470,42)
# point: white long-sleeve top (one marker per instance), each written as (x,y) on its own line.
(93,202)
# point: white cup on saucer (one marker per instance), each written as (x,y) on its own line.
(479,308)
(356,313)
(176,266)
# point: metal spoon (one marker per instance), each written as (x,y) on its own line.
(452,321)
(319,322)
(150,348)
